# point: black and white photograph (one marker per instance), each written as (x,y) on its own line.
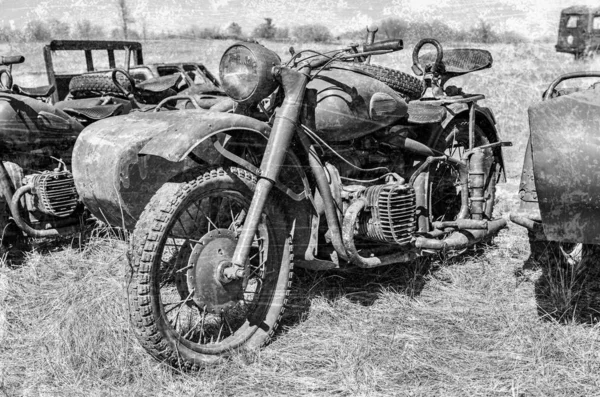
(284,198)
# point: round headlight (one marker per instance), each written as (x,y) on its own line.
(245,72)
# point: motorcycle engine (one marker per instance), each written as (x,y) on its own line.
(52,193)
(388,215)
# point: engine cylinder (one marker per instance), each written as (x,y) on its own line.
(55,192)
(389,215)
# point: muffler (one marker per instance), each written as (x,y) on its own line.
(462,238)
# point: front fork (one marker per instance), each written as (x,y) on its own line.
(294,84)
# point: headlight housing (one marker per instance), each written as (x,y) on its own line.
(245,72)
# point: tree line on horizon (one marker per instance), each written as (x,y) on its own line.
(46,30)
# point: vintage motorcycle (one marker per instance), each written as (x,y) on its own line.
(38,196)
(327,162)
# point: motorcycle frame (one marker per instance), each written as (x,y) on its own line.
(285,127)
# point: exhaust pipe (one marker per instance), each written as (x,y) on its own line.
(461,239)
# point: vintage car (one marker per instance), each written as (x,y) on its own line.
(100,92)
(560,196)
(579,31)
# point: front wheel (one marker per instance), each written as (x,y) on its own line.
(181,308)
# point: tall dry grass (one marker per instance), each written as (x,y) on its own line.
(453,327)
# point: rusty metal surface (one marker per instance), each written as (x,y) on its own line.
(116,184)
(565,144)
(527,190)
(26,140)
(343,98)
(182,133)
(424,113)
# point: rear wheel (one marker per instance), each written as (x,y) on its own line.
(182,309)
(445,192)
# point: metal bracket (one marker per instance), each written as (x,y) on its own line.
(256,171)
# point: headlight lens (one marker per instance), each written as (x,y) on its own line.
(245,72)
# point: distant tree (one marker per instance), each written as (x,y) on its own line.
(86,30)
(265,30)
(234,30)
(312,33)
(125,17)
(393,28)
(282,33)
(37,30)
(8,35)
(59,29)
(483,32)
(144,29)
(116,34)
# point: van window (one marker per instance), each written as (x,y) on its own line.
(572,22)
(596,25)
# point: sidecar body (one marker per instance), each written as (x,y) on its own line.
(560,183)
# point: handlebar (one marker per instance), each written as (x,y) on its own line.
(417,68)
(385,45)
(118,83)
(349,53)
(11,60)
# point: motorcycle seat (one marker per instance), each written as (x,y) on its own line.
(459,61)
(95,113)
(420,112)
(34,92)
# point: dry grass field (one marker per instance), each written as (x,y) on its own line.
(467,326)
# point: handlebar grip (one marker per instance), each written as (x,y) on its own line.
(385,45)
(11,60)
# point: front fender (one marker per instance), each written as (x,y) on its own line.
(186,133)
(115,180)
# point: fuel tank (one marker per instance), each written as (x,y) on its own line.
(350,104)
(565,145)
(31,131)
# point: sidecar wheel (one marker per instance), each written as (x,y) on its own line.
(445,194)
(569,286)
(181,310)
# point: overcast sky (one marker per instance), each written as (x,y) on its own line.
(532,17)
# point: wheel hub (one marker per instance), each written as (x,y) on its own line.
(207,264)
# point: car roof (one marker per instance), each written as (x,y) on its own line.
(170,64)
(82,45)
(581,10)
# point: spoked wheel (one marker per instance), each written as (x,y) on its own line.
(445,193)
(183,309)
